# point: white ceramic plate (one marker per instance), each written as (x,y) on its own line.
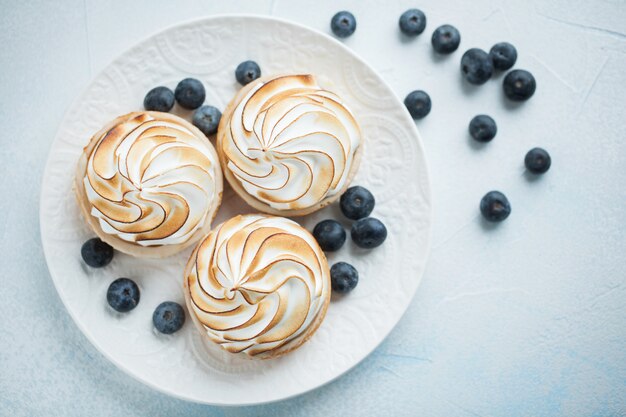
(393,168)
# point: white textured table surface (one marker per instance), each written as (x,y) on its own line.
(524,319)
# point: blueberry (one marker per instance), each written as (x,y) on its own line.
(412,22)
(368,232)
(519,85)
(207,118)
(168,317)
(96,253)
(476,66)
(343,277)
(495,207)
(123,295)
(537,161)
(329,235)
(247,72)
(357,202)
(483,128)
(503,55)
(446,39)
(159,99)
(418,104)
(343,24)
(190,93)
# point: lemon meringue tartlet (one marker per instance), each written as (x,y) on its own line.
(149,184)
(258,286)
(287,146)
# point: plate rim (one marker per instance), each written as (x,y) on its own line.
(189,22)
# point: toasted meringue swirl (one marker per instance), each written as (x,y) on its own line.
(290,143)
(258,284)
(151,181)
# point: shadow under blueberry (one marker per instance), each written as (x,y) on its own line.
(437,57)
(474,144)
(507,103)
(334,212)
(498,74)
(530,177)
(487,225)
(336,297)
(406,38)
(467,87)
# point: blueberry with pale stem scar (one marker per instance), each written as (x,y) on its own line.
(343,24)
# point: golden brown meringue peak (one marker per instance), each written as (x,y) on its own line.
(257,284)
(151,181)
(290,143)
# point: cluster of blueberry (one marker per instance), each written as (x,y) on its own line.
(367,232)
(123,293)
(477,67)
(190,95)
